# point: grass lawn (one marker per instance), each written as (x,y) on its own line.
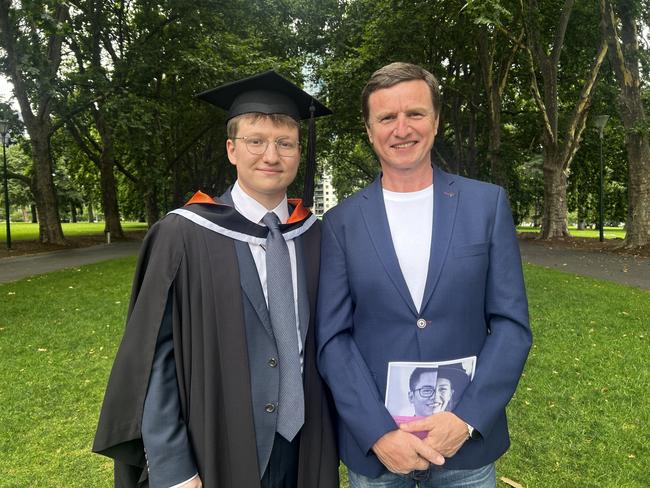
(608,232)
(23,231)
(580,417)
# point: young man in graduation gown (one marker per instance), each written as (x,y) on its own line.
(215,383)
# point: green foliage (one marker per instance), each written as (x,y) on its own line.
(139,64)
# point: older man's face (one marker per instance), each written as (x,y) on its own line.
(401,127)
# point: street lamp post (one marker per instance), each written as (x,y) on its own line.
(4,127)
(600,122)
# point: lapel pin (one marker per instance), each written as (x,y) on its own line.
(449,194)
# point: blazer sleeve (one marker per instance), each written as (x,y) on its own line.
(358,401)
(502,358)
(164,434)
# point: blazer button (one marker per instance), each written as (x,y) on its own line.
(421,323)
(272,362)
(269,407)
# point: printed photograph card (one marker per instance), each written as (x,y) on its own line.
(415,390)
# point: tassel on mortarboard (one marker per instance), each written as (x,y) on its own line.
(310,167)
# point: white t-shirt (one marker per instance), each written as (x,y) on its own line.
(410,218)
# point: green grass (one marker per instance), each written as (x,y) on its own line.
(58,337)
(608,232)
(23,231)
(580,417)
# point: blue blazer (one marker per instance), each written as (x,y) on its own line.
(474,304)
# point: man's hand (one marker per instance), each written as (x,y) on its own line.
(402,452)
(193,483)
(446,432)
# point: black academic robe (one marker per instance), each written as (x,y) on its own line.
(198,268)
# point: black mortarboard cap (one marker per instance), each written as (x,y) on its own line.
(270,93)
(266,93)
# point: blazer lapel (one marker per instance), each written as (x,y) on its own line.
(374,215)
(445,196)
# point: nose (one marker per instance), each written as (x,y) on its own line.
(271,155)
(402,127)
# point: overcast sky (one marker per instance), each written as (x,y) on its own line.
(5,92)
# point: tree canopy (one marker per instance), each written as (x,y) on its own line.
(109,124)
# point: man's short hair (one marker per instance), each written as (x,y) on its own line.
(394,73)
(276,119)
(415,376)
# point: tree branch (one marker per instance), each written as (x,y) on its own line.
(558,42)
(578,121)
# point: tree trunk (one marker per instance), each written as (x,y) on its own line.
(107,178)
(638,210)
(91,213)
(494,140)
(49,223)
(554,217)
(151,203)
(34,214)
(624,56)
(471,161)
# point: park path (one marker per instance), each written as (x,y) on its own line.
(16,268)
(623,269)
(619,268)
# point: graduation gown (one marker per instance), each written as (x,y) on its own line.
(196,266)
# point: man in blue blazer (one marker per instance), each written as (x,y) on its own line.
(420,266)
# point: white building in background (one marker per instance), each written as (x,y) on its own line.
(324,196)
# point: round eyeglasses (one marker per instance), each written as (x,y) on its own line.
(258,146)
(425,391)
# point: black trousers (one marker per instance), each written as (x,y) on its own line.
(282,470)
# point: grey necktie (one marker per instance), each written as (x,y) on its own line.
(291,410)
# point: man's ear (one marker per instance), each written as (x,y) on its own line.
(410,396)
(369,135)
(435,124)
(230,150)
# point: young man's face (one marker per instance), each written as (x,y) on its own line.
(442,396)
(402,126)
(266,176)
(422,396)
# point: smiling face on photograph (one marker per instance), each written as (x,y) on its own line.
(402,125)
(423,393)
(443,395)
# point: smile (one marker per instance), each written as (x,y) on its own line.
(404,145)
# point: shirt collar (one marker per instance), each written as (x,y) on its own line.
(254,210)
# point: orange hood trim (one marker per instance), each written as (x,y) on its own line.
(299,212)
(200,197)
